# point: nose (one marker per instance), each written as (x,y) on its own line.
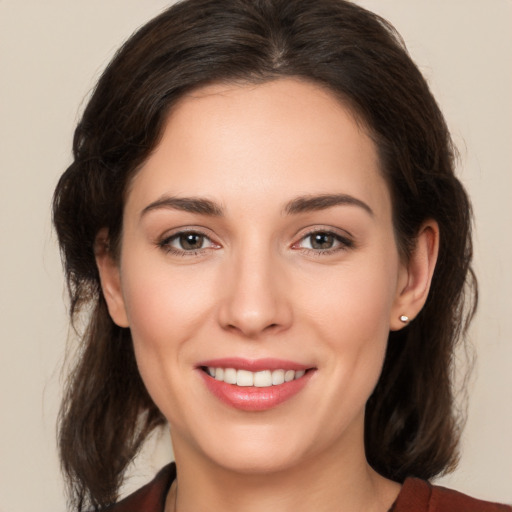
(255,299)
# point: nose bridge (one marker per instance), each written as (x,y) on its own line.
(255,299)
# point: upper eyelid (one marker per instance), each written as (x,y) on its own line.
(180,233)
(337,236)
(171,233)
(298,236)
(319,228)
(346,239)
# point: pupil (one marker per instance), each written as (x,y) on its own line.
(191,241)
(322,241)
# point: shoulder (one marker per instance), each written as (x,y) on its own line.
(421,496)
(151,497)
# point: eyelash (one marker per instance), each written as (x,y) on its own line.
(344,243)
(165,244)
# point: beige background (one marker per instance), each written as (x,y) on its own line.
(52,51)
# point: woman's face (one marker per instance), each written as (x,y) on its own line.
(258,241)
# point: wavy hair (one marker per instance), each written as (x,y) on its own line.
(411,428)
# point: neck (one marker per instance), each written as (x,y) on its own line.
(328,482)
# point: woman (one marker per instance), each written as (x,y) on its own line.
(263,218)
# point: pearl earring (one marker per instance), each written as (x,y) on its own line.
(404,319)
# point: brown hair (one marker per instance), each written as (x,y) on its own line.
(106,413)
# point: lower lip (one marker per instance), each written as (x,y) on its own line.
(251,398)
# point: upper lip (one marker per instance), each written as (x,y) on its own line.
(253,365)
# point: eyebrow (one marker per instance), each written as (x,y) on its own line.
(311,203)
(198,205)
(301,204)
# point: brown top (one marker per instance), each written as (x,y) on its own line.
(420,496)
(416,496)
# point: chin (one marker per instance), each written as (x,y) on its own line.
(258,449)
(244,460)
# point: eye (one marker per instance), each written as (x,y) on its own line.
(323,242)
(186,242)
(320,241)
(189,241)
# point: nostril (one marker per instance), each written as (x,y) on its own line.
(270,327)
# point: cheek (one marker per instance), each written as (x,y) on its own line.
(165,311)
(164,305)
(356,298)
(351,314)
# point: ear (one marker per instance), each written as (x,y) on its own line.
(110,279)
(416,275)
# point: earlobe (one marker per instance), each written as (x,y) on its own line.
(110,279)
(416,276)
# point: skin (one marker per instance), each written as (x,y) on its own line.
(258,288)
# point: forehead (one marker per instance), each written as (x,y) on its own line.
(279,138)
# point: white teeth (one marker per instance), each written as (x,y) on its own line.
(277,377)
(230,375)
(244,378)
(261,379)
(289,375)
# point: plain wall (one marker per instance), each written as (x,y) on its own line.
(52,51)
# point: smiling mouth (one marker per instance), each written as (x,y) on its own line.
(259,379)
(254,385)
